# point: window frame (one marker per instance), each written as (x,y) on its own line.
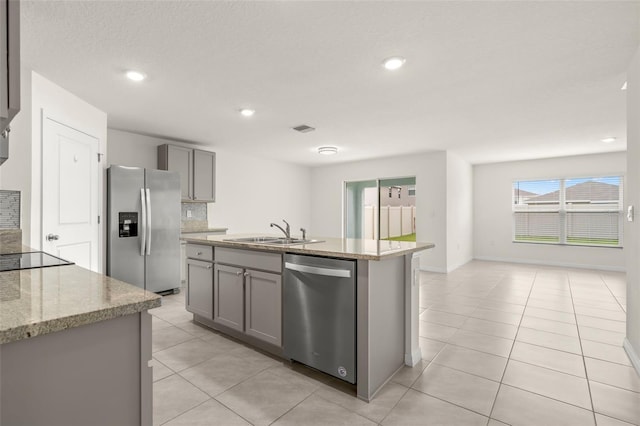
(563,212)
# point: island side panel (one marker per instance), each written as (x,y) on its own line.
(362,330)
(146,371)
(88,375)
(381,329)
(412,354)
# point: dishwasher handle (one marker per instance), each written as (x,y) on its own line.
(342,273)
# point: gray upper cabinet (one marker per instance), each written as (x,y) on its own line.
(178,159)
(197,170)
(204,175)
(9,70)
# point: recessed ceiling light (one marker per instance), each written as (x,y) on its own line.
(136,75)
(608,140)
(327,150)
(247,112)
(394,62)
(624,86)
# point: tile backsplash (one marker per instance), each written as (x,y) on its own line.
(194,215)
(10,209)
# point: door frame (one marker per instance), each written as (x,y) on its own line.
(345,200)
(77,126)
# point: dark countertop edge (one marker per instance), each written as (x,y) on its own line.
(41,328)
(307,250)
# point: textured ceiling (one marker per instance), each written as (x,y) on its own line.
(492,81)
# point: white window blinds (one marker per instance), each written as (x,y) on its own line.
(579,211)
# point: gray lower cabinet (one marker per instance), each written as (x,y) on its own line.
(199,298)
(249,301)
(228,287)
(263,306)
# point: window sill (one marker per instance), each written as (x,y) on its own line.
(566,245)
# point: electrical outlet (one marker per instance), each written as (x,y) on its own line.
(188,213)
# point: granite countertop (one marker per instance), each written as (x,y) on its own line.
(45,300)
(194,230)
(347,248)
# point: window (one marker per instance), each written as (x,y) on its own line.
(576,211)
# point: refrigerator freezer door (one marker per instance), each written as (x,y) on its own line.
(163,243)
(124,261)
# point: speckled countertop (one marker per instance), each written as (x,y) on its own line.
(347,248)
(45,300)
(193,230)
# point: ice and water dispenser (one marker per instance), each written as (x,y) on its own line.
(127,224)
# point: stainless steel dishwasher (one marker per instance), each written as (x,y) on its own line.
(320,314)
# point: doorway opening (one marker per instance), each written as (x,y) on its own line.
(380,209)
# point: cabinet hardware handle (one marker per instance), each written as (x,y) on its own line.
(246,274)
(239,273)
(209,267)
(199,253)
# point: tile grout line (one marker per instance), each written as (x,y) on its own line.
(584,362)
(493,406)
(612,293)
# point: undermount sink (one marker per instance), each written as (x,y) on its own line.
(280,241)
(251,239)
(291,241)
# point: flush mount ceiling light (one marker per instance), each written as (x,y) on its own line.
(327,150)
(624,86)
(135,75)
(394,62)
(608,140)
(246,112)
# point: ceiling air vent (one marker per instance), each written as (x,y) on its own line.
(303,128)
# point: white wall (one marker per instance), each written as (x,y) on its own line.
(327,184)
(23,169)
(492,218)
(459,211)
(251,192)
(50,100)
(632,229)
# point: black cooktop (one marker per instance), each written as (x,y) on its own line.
(29,260)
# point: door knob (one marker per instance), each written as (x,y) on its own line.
(52,237)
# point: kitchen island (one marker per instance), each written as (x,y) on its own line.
(236,287)
(74,349)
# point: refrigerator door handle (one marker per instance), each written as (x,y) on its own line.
(148,221)
(143,228)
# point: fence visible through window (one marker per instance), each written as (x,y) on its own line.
(575,211)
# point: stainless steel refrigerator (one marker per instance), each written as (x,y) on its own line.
(143,245)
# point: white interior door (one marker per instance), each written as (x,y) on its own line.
(70,194)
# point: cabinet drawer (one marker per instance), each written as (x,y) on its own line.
(200,252)
(250,259)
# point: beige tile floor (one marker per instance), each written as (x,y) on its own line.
(502,344)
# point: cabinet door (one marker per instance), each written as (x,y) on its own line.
(263,309)
(199,298)
(228,306)
(204,175)
(178,159)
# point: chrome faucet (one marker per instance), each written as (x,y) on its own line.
(287,232)
(304,233)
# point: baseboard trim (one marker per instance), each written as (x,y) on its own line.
(433,269)
(631,353)
(413,358)
(546,263)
